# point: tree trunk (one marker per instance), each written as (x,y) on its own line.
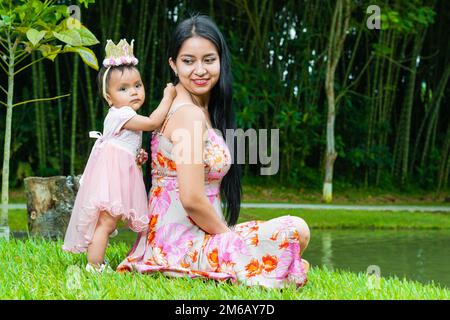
(338,30)
(4,226)
(49,204)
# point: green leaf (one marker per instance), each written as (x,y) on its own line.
(37,5)
(87,55)
(60,11)
(86,2)
(381,49)
(70,36)
(23,30)
(87,37)
(50,51)
(44,25)
(6,19)
(35,36)
(305,117)
(22,16)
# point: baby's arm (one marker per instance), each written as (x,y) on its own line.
(156,118)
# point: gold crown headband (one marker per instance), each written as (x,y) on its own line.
(117,55)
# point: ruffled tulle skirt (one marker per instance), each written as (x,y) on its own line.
(112,182)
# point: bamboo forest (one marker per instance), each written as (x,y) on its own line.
(391,87)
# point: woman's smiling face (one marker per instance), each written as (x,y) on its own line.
(197,65)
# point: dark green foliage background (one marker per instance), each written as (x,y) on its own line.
(279,79)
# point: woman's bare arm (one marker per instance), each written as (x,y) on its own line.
(188,125)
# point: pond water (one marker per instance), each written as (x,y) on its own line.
(418,255)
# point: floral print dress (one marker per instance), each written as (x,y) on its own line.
(263,253)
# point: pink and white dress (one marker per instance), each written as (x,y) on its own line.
(111,182)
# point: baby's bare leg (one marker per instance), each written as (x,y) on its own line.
(105,226)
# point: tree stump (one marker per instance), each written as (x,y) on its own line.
(49,204)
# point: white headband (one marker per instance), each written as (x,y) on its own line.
(104,82)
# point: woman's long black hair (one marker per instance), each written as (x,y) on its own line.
(220,104)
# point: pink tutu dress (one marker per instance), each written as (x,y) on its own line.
(111,182)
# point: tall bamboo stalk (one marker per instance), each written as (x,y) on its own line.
(60,118)
(74,114)
(37,92)
(52,134)
(389,98)
(403,142)
(444,165)
(90,98)
(431,115)
(372,122)
(154,39)
(42,115)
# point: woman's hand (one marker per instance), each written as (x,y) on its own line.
(142,157)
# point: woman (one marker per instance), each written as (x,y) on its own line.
(188,234)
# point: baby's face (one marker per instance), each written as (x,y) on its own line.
(126,89)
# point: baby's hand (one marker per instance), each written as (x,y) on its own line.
(142,157)
(170,91)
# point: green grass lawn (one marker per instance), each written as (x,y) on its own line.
(263,192)
(38,269)
(345,219)
(18,220)
(319,219)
